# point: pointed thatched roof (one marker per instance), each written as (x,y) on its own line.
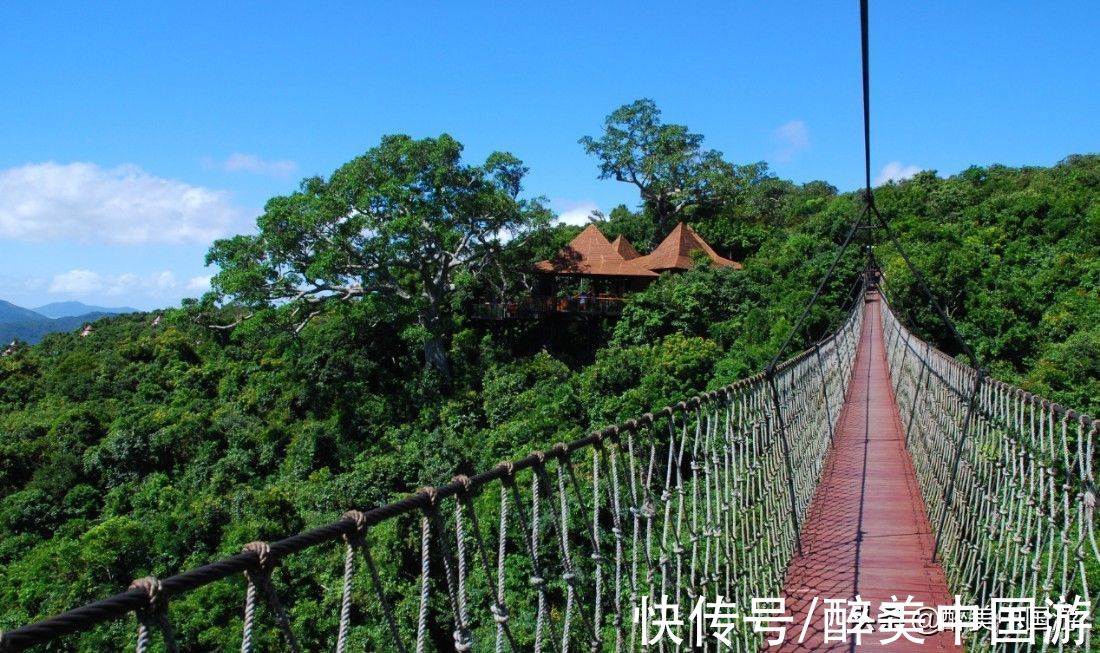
(590,254)
(674,252)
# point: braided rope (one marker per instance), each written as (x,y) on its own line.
(496,598)
(425,584)
(453,578)
(260,577)
(1017,511)
(156,614)
(615,503)
(500,614)
(351,542)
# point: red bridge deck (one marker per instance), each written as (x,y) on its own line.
(867,532)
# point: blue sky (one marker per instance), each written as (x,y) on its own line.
(135,133)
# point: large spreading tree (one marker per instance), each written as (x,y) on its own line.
(400,223)
(667,163)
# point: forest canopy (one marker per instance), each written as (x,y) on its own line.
(145,449)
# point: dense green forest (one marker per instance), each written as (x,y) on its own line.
(335,365)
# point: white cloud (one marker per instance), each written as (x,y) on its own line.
(793,137)
(126,283)
(895,171)
(16,285)
(122,205)
(77,282)
(158,284)
(575,213)
(240,162)
(199,284)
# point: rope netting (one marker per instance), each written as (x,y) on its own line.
(554,552)
(1007,478)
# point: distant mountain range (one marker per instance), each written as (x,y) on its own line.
(73,309)
(31,325)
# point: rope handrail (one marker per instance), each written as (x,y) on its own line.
(1016,511)
(729,434)
(1029,397)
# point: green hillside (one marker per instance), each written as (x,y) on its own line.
(147,449)
(11,313)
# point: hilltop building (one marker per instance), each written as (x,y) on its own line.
(591,254)
(674,254)
(592,275)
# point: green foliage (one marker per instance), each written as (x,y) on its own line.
(1014,256)
(526,402)
(396,224)
(692,303)
(147,450)
(666,162)
(624,383)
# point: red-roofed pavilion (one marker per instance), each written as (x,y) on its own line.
(624,249)
(591,275)
(591,255)
(674,252)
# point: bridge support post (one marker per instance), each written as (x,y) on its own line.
(824,392)
(770,374)
(949,496)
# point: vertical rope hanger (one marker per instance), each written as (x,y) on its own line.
(769,371)
(869,196)
(874,214)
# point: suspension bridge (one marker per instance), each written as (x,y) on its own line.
(869,465)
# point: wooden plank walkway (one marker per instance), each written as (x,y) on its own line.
(867,532)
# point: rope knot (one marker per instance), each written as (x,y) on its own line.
(569,577)
(359,519)
(536,581)
(263,554)
(540,457)
(464,481)
(560,451)
(151,586)
(509,470)
(500,613)
(462,640)
(432,494)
